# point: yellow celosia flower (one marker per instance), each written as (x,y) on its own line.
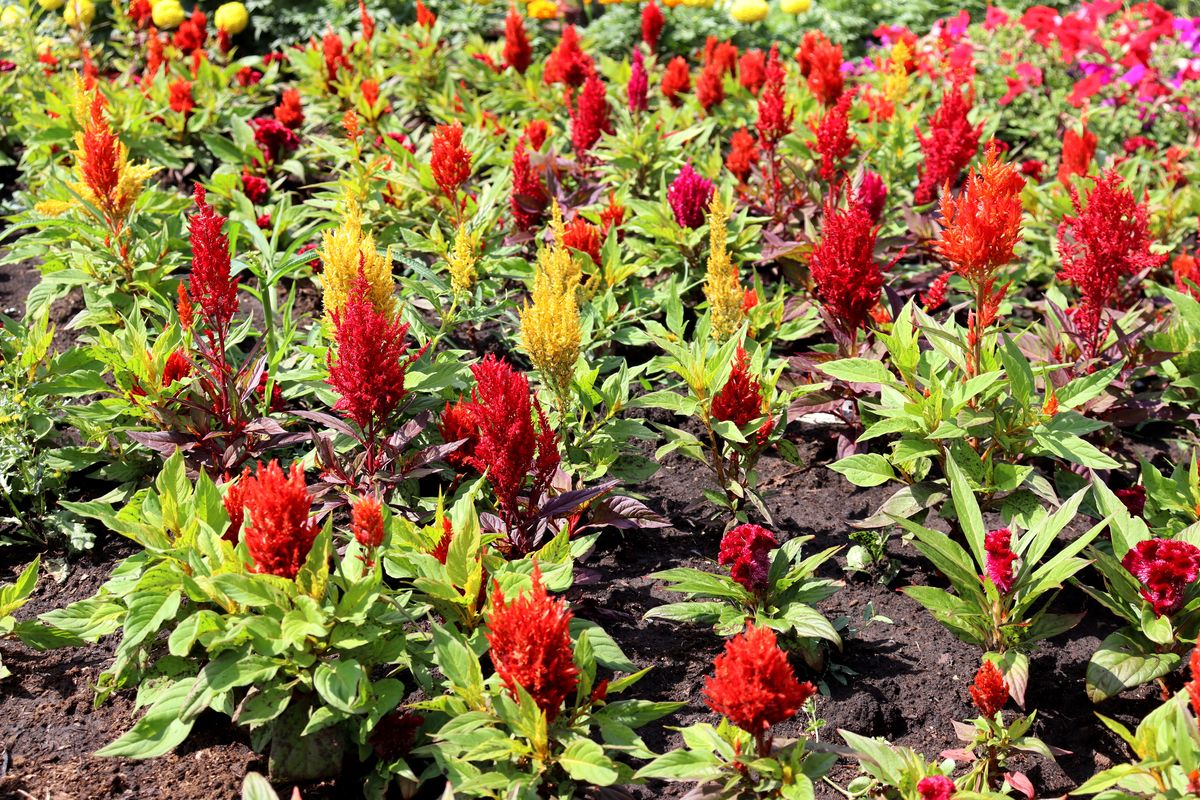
(895,84)
(79,13)
(721,285)
(747,11)
(344,251)
(462,259)
(542,9)
(550,327)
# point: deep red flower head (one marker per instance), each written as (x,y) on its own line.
(950,144)
(366,522)
(833,141)
(279,532)
(743,154)
(367,23)
(710,86)
(1105,241)
(843,265)
(535,133)
(181,97)
(990,691)
(192,32)
(425,17)
(723,55)
(457,423)
(1133,498)
(509,447)
(530,644)
(441,550)
(997,545)
(936,787)
(676,80)
(581,235)
(590,116)
(177,368)
(871,194)
(689,195)
(449,160)
(1135,143)
(612,215)
(334,51)
(211,287)
(273,138)
(982,225)
(746,550)
(235,508)
(753,685)
(372,359)
(1186,271)
(639,84)
(567,63)
(1033,168)
(1078,151)
(774,120)
(821,63)
(1166,568)
(517,52)
(529,197)
(740,400)
(652,24)
(290,111)
(752,70)
(248,76)
(254,187)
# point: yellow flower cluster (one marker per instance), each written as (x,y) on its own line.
(550,327)
(542,9)
(747,11)
(462,259)
(721,285)
(344,251)
(895,83)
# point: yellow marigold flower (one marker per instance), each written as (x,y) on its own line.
(795,6)
(51,5)
(747,11)
(895,84)
(231,18)
(345,250)
(79,13)
(167,14)
(550,327)
(462,259)
(542,9)
(721,285)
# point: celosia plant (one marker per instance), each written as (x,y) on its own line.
(950,144)
(550,329)
(721,285)
(278,530)
(843,266)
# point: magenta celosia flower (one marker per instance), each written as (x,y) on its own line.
(871,194)
(689,196)
(746,551)
(936,787)
(639,84)
(1000,557)
(1166,568)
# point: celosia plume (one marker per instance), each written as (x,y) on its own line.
(290,111)
(583,236)
(529,196)
(752,71)
(721,284)
(833,141)
(676,80)
(689,195)
(1078,151)
(550,329)
(710,87)
(461,261)
(746,551)
(567,63)
(638,87)
(278,532)
(1000,557)
(1166,569)
(273,138)
(741,400)
(871,194)
(743,154)
(990,691)
(843,266)
(517,52)
(652,24)
(753,685)
(347,250)
(982,225)
(949,146)
(821,65)
(530,644)
(590,116)
(936,787)
(449,160)
(366,522)
(774,121)
(211,286)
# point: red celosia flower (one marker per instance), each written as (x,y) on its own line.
(590,116)
(425,17)
(192,32)
(509,447)
(366,522)
(752,70)
(949,146)
(936,787)
(740,400)
(1193,690)
(211,286)
(821,63)
(1103,242)
(279,533)
(290,112)
(871,194)
(370,92)
(368,24)
(567,63)
(676,79)
(935,296)
(1166,568)
(753,685)
(749,300)
(264,380)
(441,550)
(530,644)
(450,161)
(722,55)
(689,195)
(1186,270)
(1135,143)
(248,76)
(743,154)
(997,546)
(535,133)
(747,548)
(517,52)
(773,123)
(273,138)
(833,141)
(612,216)
(181,97)
(255,188)
(177,368)
(334,51)
(529,196)
(652,24)
(141,12)
(1033,168)
(990,691)
(982,225)
(457,423)
(638,86)
(1133,498)
(710,87)
(235,509)
(183,306)
(843,266)
(581,235)
(1078,150)
(371,363)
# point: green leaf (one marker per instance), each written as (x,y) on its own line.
(256,787)
(969,518)
(340,684)
(1125,660)
(679,765)
(604,647)
(865,469)
(13,595)
(159,730)
(584,760)
(859,370)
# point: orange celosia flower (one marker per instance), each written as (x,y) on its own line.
(280,532)
(982,225)
(753,685)
(366,522)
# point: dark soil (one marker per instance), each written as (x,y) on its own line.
(904,680)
